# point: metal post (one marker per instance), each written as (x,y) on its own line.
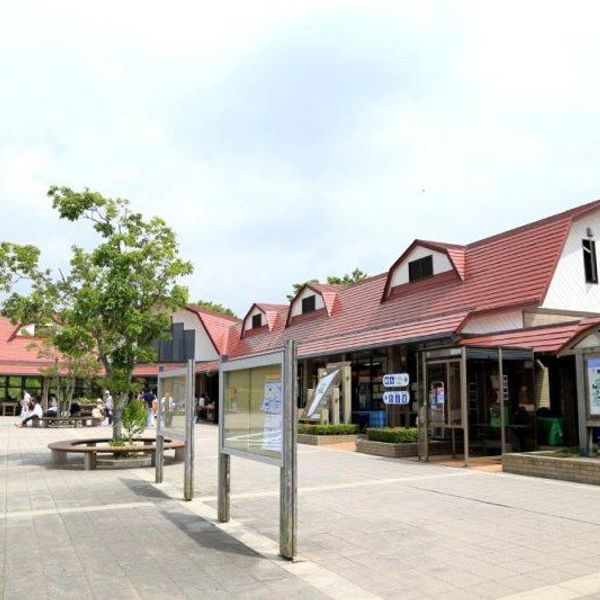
(223,507)
(464,402)
(288,509)
(581,405)
(224,487)
(188,477)
(501,393)
(424,413)
(159,449)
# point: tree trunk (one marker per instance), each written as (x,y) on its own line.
(118,404)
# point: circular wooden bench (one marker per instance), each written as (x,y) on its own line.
(90,450)
(77,421)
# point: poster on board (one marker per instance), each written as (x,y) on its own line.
(272,406)
(593,376)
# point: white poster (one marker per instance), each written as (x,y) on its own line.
(320,392)
(272,406)
(593,371)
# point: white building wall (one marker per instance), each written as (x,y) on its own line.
(204,347)
(501,321)
(441,263)
(297,305)
(568,289)
(248,321)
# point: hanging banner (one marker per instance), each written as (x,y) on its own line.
(324,386)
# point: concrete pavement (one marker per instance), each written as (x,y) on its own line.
(369,527)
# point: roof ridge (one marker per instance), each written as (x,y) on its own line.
(214,313)
(566,214)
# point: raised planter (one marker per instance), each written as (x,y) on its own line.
(544,464)
(323,440)
(405,450)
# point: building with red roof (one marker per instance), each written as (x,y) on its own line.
(532,291)
(510,321)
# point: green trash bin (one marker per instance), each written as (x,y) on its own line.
(550,430)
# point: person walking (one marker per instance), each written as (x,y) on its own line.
(108,406)
(149,399)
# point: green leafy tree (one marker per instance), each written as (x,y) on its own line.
(354,277)
(215,307)
(296,287)
(134,419)
(115,300)
(64,368)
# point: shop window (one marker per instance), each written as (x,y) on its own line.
(308,304)
(420,268)
(256,320)
(589,261)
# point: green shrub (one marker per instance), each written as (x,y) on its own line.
(134,418)
(393,435)
(341,429)
(118,442)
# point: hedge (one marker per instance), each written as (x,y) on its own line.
(341,429)
(393,435)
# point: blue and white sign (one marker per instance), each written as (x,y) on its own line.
(401,398)
(396,380)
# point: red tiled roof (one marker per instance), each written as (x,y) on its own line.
(548,338)
(216,324)
(145,370)
(20,350)
(205,367)
(512,269)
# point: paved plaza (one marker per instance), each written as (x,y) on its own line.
(369,527)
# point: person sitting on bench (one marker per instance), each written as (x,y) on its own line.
(52,409)
(34,413)
(75,409)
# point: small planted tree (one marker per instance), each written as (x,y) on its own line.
(134,419)
(115,300)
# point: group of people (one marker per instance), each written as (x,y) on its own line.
(31,409)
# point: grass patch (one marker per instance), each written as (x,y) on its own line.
(341,429)
(393,435)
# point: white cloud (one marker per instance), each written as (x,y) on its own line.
(286,140)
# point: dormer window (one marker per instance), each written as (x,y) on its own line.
(589,261)
(308,304)
(420,268)
(256,321)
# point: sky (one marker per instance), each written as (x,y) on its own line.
(288,140)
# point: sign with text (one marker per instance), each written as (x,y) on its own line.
(324,386)
(396,380)
(401,398)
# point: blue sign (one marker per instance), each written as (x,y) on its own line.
(396,380)
(398,398)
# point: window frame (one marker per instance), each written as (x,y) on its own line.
(416,270)
(256,323)
(309,304)
(590,263)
